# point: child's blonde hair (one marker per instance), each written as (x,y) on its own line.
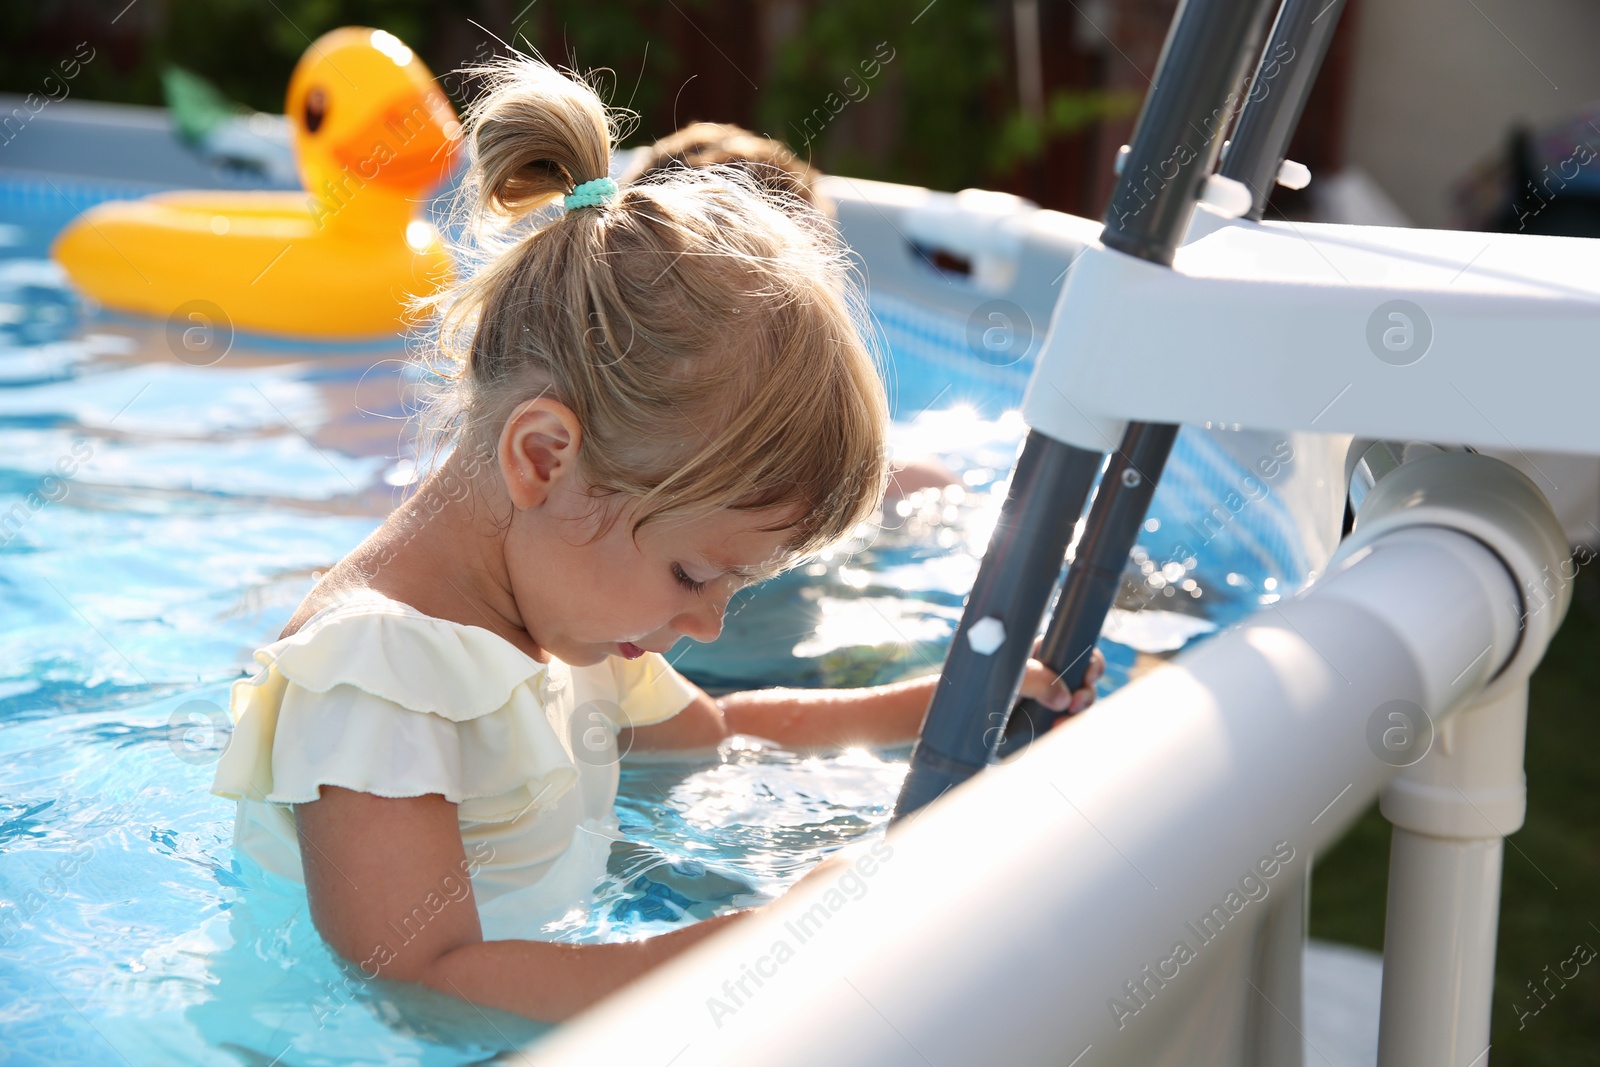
(771,163)
(701,331)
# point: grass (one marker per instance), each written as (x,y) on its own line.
(1550,895)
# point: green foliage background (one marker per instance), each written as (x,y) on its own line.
(957,123)
(947,64)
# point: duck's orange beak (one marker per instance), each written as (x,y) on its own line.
(409,144)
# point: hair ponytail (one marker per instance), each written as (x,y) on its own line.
(535,134)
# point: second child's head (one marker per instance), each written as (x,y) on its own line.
(662,396)
(772,164)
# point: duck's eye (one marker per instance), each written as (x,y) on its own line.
(316,109)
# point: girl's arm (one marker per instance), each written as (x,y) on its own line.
(834,718)
(387,881)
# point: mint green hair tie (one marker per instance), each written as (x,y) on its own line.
(596,193)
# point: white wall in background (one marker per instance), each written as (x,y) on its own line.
(1438,83)
(1436,88)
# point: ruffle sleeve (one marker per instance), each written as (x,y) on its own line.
(398,704)
(649,690)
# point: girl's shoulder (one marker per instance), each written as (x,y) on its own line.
(366,639)
(370,694)
(331,594)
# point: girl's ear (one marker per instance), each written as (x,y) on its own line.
(538,447)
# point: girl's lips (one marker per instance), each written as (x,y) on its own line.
(630,650)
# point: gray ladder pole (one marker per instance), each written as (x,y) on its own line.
(1207,50)
(1283,81)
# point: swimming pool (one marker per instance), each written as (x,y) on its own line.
(161,515)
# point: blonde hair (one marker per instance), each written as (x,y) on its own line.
(704,335)
(772,164)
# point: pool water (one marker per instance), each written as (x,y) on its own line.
(161,516)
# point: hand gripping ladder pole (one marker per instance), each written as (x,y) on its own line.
(1282,83)
(1205,56)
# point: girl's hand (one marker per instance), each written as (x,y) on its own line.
(1041,683)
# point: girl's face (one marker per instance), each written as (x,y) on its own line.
(583,597)
(586,588)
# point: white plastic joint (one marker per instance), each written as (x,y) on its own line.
(1495,504)
(1292,175)
(1230,197)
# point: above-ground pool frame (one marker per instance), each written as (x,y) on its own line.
(1132,890)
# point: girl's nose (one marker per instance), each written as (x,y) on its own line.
(703,622)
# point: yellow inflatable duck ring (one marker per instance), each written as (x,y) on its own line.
(372,135)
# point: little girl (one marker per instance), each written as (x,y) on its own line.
(659,397)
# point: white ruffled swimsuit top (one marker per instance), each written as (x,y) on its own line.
(372,695)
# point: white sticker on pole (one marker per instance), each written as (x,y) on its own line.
(986,635)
